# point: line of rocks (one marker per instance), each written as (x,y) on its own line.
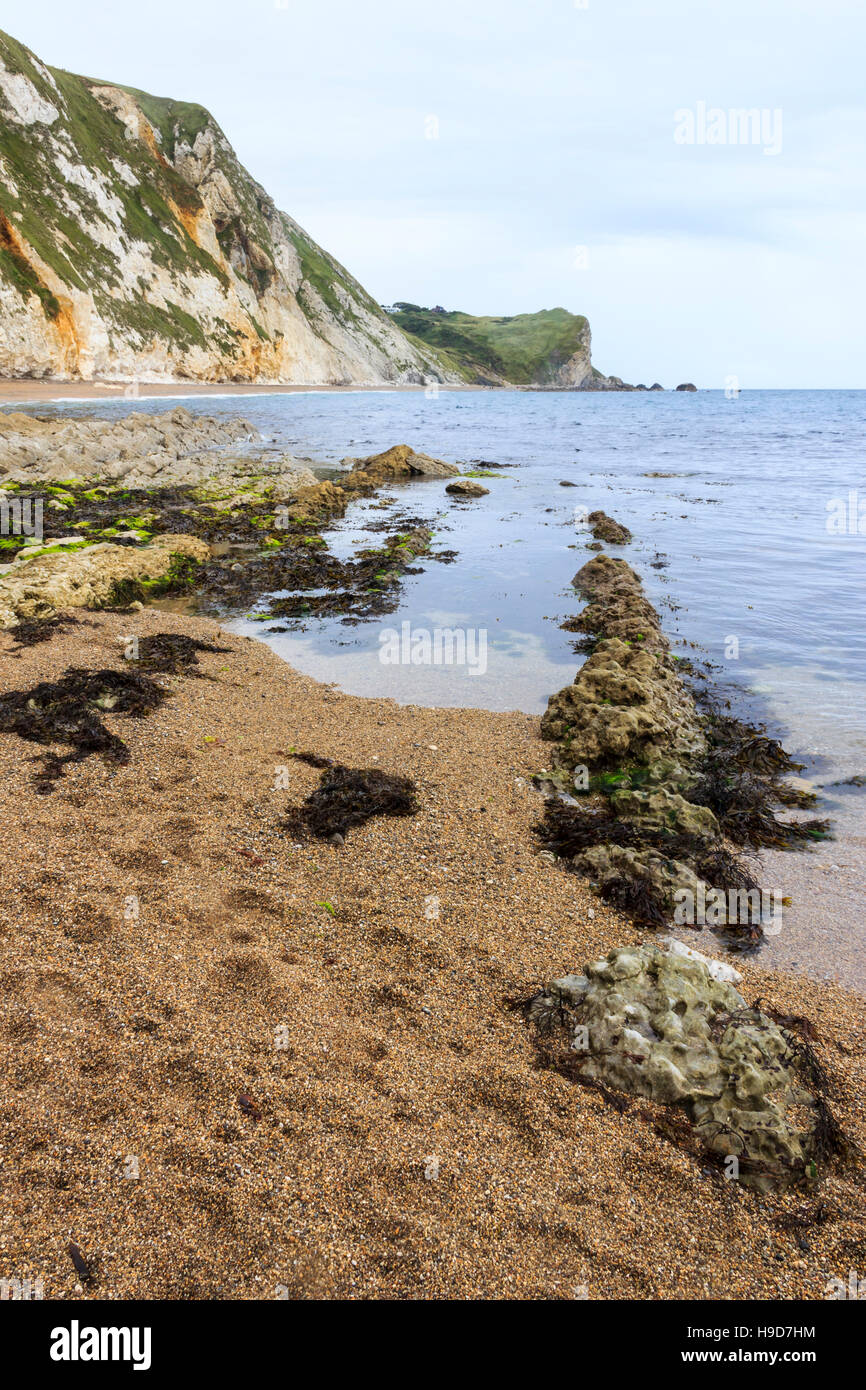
(671,789)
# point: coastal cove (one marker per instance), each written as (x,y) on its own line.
(729,504)
(311,883)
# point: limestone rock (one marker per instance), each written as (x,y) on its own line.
(661,809)
(465,487)
(401,461)
(36,588)
(658,1024)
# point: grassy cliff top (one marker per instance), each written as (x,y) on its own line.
(525,349)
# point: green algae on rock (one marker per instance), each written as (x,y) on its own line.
(662,1025)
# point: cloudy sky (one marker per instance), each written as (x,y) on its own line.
(499,156)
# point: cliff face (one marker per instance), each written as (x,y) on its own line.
(134,245)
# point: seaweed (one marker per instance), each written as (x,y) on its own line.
(68,712)
(637,897)
(172,653)
(349,796)
(739,778)
(30,631)
(83,1268)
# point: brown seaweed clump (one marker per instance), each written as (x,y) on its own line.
(347,797)
(172,653)
(69,711)
(28,632)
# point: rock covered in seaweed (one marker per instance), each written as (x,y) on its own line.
(678,782)
(92,576)
(604,528)
(658,1024)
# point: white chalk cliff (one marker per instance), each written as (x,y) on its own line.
(135,246)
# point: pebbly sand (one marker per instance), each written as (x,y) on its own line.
(405,1143)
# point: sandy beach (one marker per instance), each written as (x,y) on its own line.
(242,1067)
(27,390)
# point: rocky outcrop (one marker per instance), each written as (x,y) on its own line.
(135,246)
(669,787)
(138,449)
(550,350)
(627,702)
(661,1024)
(465,488)
(89,577)
(175,449)
(401,462)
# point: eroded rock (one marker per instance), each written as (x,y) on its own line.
(465,487)
(659,1024)
(401,461)
(91,577)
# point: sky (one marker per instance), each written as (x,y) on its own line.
(501,156)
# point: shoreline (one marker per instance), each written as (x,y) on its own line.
(394,962)
(146,567)
(58,392)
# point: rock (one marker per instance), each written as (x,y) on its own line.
(403,462)
(36,588)
(687,386)
(660,1024)
(625,706)
(662,809)
(718,969)
(605,864)
(465,487)
(604,528)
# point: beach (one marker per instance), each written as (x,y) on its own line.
(243,1062)
(27,391)
(405,1142)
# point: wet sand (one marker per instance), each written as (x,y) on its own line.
(236,1066)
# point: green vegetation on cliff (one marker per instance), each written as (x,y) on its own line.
(529,349)
(133,239)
